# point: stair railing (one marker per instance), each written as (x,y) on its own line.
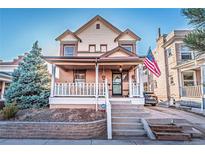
(108,111)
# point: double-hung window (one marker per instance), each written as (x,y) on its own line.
(188,78)
(128,47)
(69,50)
(79,76)
(186,53)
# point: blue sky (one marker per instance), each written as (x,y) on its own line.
(19,28)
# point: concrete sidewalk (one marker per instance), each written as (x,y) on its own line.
(97,142)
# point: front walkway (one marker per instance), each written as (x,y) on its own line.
(97,142)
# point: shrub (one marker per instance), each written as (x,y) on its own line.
(9,111)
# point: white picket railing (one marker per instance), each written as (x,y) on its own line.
(78,89)
(135,89)
(191,91)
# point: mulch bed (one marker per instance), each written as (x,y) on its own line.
(58,115)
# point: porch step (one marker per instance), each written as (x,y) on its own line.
(130,114)
(125,125)
(126,106)
(129,132)
(120,102)
(173,136)
(125,119)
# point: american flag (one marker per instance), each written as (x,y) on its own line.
(151,64)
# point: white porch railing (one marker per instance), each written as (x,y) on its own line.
(191,91)
(78,89)
(135,89)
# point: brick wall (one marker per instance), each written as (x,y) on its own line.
(53,130)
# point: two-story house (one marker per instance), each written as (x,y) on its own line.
(95,56)
(182,70)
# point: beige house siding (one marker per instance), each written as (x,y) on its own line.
(160,84)
(91,35)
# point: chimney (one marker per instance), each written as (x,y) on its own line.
(159,32)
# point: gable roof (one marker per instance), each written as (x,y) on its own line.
(67,32)
(119,48)
(98,18)
(129,32)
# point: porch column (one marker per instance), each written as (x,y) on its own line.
(96,82)
(203,86)
(130,86)
(3,90)
(137,79)
(140,75)
(53,80)
(180,82)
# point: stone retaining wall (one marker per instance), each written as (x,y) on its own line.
(53,130)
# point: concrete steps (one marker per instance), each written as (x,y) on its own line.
(126,120)
(129,132)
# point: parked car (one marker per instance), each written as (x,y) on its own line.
(150,98)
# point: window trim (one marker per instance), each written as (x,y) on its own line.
(185,52)
(101,47)
(194,77)
(169,55)
(67,45)
(131,45)
(74,75)
(97,26)
(90,46)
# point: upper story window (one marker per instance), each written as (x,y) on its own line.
(171,78)
(69,50)
(186,53)
(169,52)
(97,26)
(128,47)
(188,78)
(103,47)
(92,48)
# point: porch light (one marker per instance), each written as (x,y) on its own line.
(120,69)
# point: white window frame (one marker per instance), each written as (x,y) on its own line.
(74,47)
(194,77)
(127,45)
(185,52)
(169,54)
(92,45)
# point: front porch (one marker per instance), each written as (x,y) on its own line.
(192,82)
(84,83)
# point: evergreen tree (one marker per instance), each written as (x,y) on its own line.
(30,87)
(196,39)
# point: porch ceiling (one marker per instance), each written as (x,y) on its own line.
(92,67)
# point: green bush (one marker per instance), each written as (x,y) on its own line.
(9,111)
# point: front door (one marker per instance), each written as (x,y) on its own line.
(117,84)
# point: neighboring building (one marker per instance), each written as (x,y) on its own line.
(181,69)
(6,69)
(94,53)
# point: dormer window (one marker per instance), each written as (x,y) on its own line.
(97,26)
(69,50)
(128,47)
